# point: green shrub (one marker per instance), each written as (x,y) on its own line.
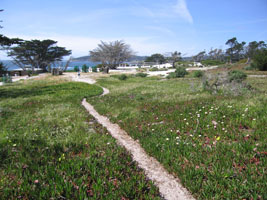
(122,77)
(153,69)
(237,76)
(180,72)
(76,68)
(172,75)
(85,68)
(198,74)
(140,74)
(260,60)
(94,69)
(6,79)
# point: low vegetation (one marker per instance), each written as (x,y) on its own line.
(260,60)
(235,75)
(198,74)
(50,148)
(215,144)
(154,69)
(140,74)
(180,72)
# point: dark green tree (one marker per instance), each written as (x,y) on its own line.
(158,58)
(260,59)
(37,54)
(85,68)
(76,68)
(252,49)
(3,69)
(175,57)
(235,49)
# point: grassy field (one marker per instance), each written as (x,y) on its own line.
(50,148)
(215,144)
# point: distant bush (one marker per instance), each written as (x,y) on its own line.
(211,62)
(76,68)
(140,74)
(172,75)
(237,76)
(180,72)
(122,77)
(94,69)
(85,68)
(6,79)
(153,69)
(260,60)
(198,74)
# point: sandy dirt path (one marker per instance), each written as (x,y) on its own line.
(169,186)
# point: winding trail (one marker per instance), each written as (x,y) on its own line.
(169,186)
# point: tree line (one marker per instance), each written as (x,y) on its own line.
(236,51)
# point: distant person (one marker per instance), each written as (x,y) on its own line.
(79,74)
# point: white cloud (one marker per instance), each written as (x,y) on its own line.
(181,9)
(162,10)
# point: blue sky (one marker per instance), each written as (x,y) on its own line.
(149,26)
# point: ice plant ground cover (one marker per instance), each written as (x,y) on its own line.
(51,148)
(215,144)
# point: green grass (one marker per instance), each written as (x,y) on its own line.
(50,148)
(216,145)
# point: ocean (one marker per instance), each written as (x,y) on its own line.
(11,66)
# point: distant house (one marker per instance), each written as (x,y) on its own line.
(24,72)
(197,64)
